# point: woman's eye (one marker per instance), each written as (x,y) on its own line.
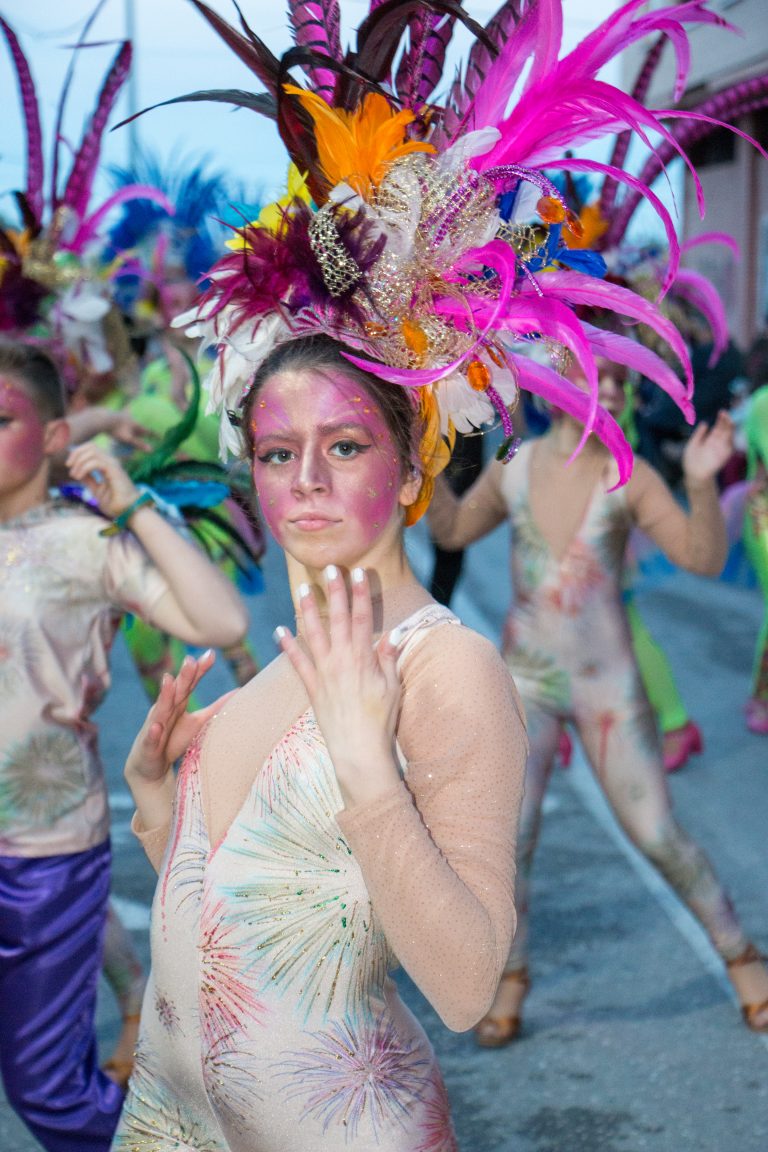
(276,456)
(348,448)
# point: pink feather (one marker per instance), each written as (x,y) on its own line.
(34,137)
(90,226)
(723,238)
(78,188)
(623,177)
(316,26)
(537,38)
(632,354)
(699,291)
(549,318)
(576,288)
(558,391)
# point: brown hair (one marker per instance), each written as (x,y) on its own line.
(39,375)
(321,353)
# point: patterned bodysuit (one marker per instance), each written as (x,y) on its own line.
(567,643)
(270,1022)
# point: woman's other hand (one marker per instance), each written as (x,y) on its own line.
(169,728)
(352,684)
(708,450)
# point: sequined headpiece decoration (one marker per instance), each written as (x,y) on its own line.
(425,237)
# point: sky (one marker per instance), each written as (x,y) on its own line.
(177,52)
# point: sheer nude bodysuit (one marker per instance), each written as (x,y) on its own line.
(567,644)
(271,1023)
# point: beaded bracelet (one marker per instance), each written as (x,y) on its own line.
(120,522)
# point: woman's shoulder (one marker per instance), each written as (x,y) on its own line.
(447,653)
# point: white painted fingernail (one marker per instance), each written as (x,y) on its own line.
(358,575)
(394,636)
(279,633)
(331,572)
(304,591)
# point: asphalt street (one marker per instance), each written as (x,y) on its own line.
(632,1042)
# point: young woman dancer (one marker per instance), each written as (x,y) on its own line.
(568,646)
(355,805)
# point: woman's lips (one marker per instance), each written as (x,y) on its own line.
(312,523)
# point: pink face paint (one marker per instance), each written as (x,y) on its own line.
(325,466)
(22,433)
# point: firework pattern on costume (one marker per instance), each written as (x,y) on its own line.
(42,779)
(155,1119)
(437,1128)
(230,1079)
(228,1004)
(166,1013)
(354,1076)
(188,841)
(310,924)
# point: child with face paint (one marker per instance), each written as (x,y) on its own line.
(567,642)
(63,587)
(352,807)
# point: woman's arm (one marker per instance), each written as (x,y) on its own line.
(438,854)
(86,423)
(438,851)
(201,605)
(457,521)
(696,541)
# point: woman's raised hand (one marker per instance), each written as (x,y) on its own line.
(169,728)
(104,476)
(708,449)
(352,684)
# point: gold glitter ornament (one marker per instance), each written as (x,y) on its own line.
(340,271)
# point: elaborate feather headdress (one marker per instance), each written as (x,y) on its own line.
(426,235)
(47,269)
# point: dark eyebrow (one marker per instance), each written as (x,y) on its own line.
(288,436)
(332,429)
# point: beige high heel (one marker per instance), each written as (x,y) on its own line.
(750,1012)
(498,1031)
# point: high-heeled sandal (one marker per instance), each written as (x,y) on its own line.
(680,744)
(498,1031)
(750,1012)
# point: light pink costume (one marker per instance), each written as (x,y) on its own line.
(271,1023)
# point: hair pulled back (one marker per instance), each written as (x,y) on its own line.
(39,374)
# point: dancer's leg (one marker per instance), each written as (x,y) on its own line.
(502,1022)
(628,763)
(625,755)
(125,976)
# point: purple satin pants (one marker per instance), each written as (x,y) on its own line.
(52,915)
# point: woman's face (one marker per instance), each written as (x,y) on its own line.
(325,467)
(22,435)
(611,379)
